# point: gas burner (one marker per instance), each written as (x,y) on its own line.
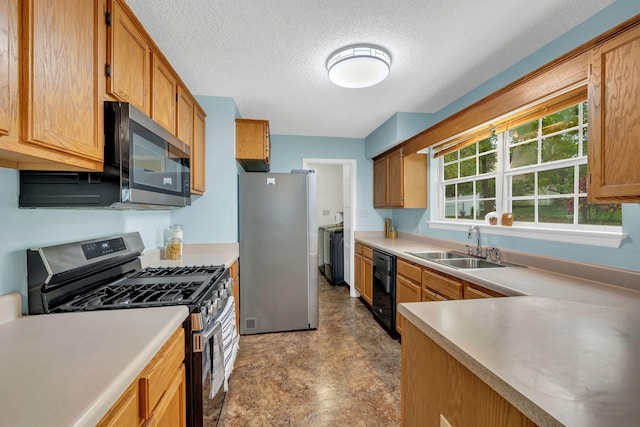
(178,271)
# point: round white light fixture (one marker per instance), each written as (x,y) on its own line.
(359,66)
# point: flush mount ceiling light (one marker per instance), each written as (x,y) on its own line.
(359,66)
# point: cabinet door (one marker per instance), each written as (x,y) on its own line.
(367,280)
(185,113)
(130,58)
(395,179)
(379,182)
(198,153)
(164,94)
(172,408)
(406,291)
(357,272)
(8,64)
(251,139)
(63,106)
(614,119)
(124,413)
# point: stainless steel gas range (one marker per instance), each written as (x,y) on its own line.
(107,274)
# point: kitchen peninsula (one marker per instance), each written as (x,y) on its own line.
(558,350)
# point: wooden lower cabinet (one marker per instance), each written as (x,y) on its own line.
(441,284)
(472,291)
(158,396)
(436,385)
(235,275)
(363,272)
(367,274)
(125,412)
(357,272)
(408,287)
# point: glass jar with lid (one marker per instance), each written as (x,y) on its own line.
(173,248)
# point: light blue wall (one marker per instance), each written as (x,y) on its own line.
(287,153)
(396,129)
(628,255)
(28,228)
(213,217)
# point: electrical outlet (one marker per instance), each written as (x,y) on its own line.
(364,213)
(325,212)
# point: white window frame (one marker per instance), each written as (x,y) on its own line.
(595,235)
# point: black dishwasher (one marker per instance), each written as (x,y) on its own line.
(384,289)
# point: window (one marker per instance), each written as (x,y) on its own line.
(536,169)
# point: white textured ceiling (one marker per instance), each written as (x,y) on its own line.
(270,55)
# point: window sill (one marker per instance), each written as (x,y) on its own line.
(607,239)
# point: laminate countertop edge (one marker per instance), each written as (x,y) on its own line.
(556,372)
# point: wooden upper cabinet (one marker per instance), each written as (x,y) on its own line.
(61,91)
(400,180)
(614,119)
(164,93)
(198,153)
(379,182)
(395,179)
(128,50)
(8,66)
(253,145)
(185,112)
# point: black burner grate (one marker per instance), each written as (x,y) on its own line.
(179,271)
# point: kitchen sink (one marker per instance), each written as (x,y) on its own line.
(436,255)
(469,263)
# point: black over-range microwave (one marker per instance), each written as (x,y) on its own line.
(145,167)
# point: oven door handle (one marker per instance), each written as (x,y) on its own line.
(200,338)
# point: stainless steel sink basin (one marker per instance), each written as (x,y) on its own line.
(436,255)
(469,263)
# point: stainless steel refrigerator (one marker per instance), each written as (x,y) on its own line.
(278,252)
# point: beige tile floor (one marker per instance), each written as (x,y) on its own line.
(345,373)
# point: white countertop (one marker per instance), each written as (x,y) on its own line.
(195,254)
(69,369)
(516,281)
(559,362)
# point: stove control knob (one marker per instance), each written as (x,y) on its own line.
(208,309)
(216,303)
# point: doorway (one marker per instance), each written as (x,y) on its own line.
(349,175)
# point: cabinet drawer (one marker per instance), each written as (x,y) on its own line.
(442,285)
(359,248)
(367,252)
(156,377)
(429,295)
(475,292)
(410,271)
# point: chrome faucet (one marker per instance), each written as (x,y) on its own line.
(478,247)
